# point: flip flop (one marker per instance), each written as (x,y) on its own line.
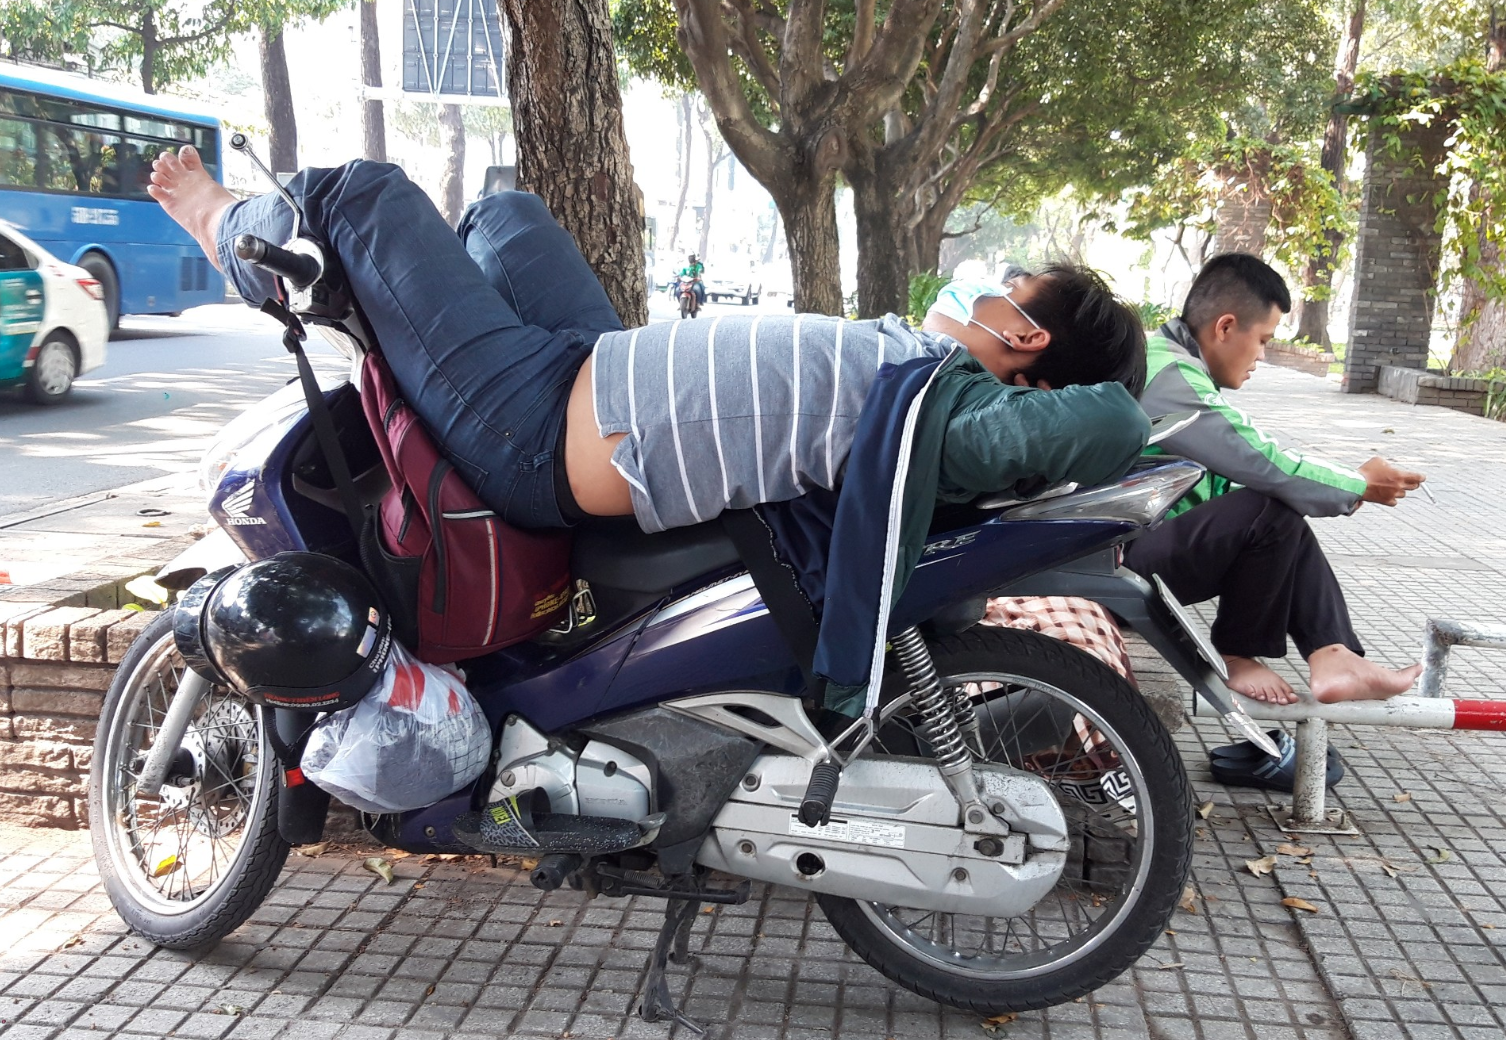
(1245,765)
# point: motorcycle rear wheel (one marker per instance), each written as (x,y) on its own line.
(186,868)
(1059,713)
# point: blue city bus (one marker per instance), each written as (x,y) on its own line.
(75,158)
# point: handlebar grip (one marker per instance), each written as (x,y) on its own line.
(299,268)
(815,807)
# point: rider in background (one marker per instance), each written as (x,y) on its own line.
(693,272)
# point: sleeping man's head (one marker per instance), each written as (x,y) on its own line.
(1055,328)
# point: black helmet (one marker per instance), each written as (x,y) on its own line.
(301,631)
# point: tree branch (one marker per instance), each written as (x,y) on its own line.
(703,36)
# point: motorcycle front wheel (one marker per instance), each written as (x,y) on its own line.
(187,867)
(1055,711)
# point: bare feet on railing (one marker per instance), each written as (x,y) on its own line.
(1337,673)
(190,196)
(1254,680)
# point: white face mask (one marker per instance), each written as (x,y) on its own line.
(957,298)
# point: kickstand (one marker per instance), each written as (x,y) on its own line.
(674,940)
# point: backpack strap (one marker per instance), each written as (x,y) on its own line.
(777,584)
(293,336)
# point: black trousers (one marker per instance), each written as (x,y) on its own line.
(1262,561)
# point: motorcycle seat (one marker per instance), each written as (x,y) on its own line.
(616,553)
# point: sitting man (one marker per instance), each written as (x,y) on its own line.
(1240,533)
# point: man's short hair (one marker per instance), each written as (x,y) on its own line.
(1095,336)
(1240,284)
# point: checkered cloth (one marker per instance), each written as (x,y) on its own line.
(1081,622)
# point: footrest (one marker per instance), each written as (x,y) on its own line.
(509,827)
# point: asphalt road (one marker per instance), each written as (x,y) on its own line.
(167,386)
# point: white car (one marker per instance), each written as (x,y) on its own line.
(745,288)
(53,321)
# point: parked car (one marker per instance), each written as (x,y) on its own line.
(53,319)
(745,287)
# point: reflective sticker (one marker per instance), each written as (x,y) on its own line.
(367,641)
(853,832)
(372,616)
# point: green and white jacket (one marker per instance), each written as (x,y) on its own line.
(1224,439)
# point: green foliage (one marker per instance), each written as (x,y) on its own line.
(924,288)
(1472,207)
(1495,393)
(1154,315)
(1304,202)
(187,38)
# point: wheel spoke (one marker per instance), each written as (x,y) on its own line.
(1029,725)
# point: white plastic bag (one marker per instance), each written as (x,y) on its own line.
(416,737)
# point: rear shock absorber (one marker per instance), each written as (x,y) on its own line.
(937,712)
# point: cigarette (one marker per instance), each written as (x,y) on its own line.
(1424,489)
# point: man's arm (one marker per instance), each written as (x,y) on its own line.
(1226,441)
(1000,435)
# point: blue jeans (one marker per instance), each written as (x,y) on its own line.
(484,332)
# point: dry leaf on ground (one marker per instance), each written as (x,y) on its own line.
(380,867)
(1206,809)
(1405,796)
(1261,867)
(311,851)
(1174,964)
(1443,855)
(1299,904)
(1189,899)
(997,1022)
(1288,849)
(1388,867)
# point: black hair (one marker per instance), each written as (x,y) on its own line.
(1240,284)
(1095,336)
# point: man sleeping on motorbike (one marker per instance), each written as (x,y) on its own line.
(506,346)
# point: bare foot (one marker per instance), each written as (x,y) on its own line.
(1337,673)
(190,196)
(1257,682)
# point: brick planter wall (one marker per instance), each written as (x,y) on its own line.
(55,665)
(1288,356)
(1396,260)
(1418,387)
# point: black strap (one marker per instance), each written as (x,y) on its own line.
(324,424)
(777,584)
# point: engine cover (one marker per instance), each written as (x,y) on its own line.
(895,836)
(599,781)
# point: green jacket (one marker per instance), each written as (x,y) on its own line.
(1224,439)
(975,435)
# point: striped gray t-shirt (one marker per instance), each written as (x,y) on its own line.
(728,412)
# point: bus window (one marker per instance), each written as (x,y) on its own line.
(18,153)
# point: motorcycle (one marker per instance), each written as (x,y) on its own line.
(690,298)
(1009,830)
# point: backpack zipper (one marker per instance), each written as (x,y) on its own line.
(397,402)
(436,529)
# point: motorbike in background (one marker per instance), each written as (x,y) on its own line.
(690,297)
(1010,830)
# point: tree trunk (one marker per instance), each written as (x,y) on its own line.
(883,270)
(452,180)
(716,151)
(1481,345)
(277,102)
(1317,280)
(683,142)
(567,111)
(373,119)
(149,51)
(809,209)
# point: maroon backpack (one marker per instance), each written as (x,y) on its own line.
(465,582)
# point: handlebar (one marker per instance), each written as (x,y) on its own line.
(301,269)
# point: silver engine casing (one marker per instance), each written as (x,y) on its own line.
(599,781)
(895,836)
